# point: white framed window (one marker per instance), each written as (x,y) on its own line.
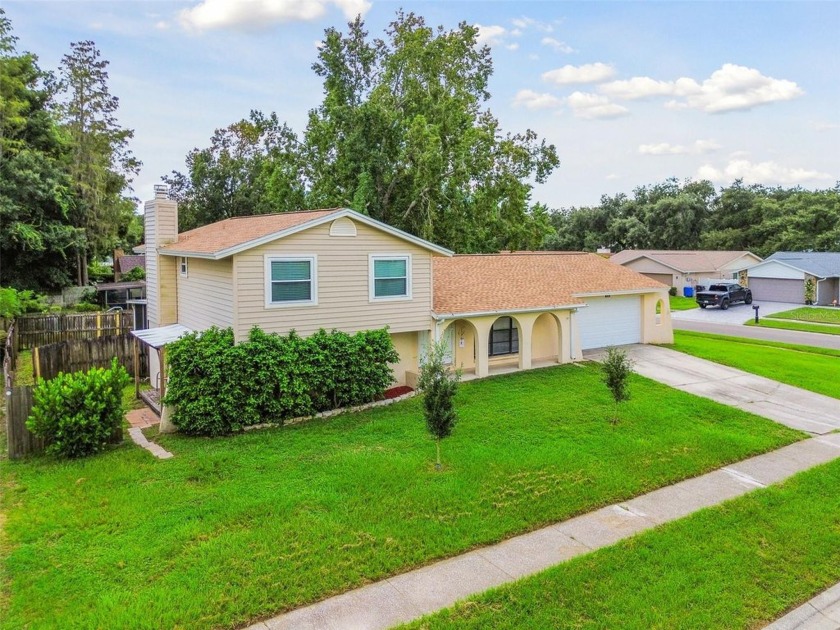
(291,281)
(182,266)
(389,277)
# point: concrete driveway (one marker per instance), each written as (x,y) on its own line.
(791,406)
(735,314)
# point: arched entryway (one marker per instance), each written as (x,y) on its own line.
(460,337)
(546,339)
(503,341)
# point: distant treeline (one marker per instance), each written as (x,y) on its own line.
(692,215)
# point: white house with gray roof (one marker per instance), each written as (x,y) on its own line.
(782,277)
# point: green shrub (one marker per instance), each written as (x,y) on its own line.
(79,413)
(86,307)
(14,302)
(217,386)
(672,291)
(617,368)
(137,273)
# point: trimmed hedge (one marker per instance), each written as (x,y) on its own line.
(79,413)
(217,386)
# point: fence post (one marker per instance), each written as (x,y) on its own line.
(36,363)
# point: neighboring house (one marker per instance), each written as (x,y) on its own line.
(782,276)
(685,268)
(339,269)
(123,263)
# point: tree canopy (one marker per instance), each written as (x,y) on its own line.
(691,215)
(403,134)
(64,167)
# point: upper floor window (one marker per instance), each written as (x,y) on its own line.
(291,281)
(182,265)
(390,277)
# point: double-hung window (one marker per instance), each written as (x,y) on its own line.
(182,264)
(291,280)
(390,277)
(504,337)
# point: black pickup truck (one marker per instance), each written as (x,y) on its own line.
(723,295)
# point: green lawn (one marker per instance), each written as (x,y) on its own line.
(235,529)
(811,314)
(23,369)
(825,329)
(680,303)
(738,565)
(814,369)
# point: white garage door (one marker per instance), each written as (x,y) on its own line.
(778,290)
(610,321)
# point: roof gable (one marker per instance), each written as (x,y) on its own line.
(685,261)
(822,264)
(232,236)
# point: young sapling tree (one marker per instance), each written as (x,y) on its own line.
(617,368)
(438,383)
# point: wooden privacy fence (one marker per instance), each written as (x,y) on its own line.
(80,356)
(40,330)
(18,408)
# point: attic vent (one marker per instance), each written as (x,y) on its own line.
(342,227)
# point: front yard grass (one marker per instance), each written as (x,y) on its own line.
(680,303)
(738,565)
(811,314)
(814,369)
(825,329)
(231,530)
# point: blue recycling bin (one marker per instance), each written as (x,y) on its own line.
(688,291)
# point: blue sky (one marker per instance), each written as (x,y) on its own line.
(630,92)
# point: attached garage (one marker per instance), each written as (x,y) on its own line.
(610,321)
(778,290)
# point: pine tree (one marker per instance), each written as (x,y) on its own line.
(439,385)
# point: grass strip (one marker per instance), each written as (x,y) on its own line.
(825,329)
(680,303)
(811,314)
(738,565)
(239,528)
(814,369)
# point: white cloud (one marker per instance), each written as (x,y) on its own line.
(767,173)
(252,15)
(513,46)
(730,88)
(587,73)
(592,106)
(665,148)
(556,45)
(526,22)
(162,25)
(530,99)
(825,126)
(490,34)
(637,87)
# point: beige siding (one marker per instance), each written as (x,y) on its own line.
(168,304)
(406,346)
(205,296)
(343,293)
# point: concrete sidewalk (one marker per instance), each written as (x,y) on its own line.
(408,596)
(791,406)
(820,613)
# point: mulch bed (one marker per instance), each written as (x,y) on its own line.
(396,391)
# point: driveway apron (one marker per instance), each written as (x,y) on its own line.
(791,406)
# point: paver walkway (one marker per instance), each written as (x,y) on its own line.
(791,406)
(405,597)
(821,613)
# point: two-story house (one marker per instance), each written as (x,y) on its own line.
(339,269)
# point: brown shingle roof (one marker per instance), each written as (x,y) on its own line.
(129,262)
(686,261)
(222,235)
(527,280)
